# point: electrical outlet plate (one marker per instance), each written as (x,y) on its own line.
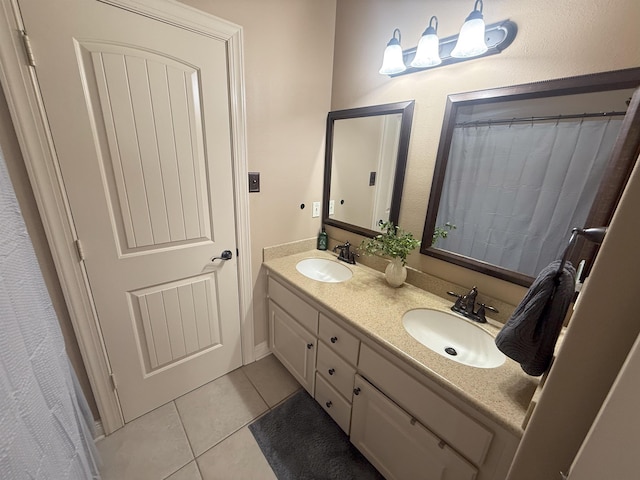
(254,182)
(332,207)
(315,212)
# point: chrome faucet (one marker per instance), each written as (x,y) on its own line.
(346,255)
(465,306)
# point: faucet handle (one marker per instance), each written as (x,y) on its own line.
(481,312)
(454,294)
(489,307)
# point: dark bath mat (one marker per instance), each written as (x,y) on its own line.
(302,442)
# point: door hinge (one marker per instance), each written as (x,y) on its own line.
(114,384)
(31,59)
(79,250)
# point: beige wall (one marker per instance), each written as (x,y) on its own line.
(288,53)
(555,39)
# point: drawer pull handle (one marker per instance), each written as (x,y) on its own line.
(309,346)
(356,391)
(441,444)
(332,371)
(328,404)
(334,339)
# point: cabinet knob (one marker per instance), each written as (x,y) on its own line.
(309,346)
(332,371)
(356,391)
(328,404)
(334,339)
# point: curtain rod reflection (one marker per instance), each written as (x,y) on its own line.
(509,121)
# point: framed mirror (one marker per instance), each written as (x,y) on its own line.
(365,160)
(519,167)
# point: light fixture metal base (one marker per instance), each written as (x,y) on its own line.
(497,35)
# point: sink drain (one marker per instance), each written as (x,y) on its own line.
(451,351)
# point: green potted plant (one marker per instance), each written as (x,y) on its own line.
(395,244)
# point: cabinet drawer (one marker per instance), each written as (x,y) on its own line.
(336,406)
(304,313)
(335,370)
(340,341)
(460,431)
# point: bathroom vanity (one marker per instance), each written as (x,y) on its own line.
(412,412)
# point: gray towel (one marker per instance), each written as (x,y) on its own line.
(530,335)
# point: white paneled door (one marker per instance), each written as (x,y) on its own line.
(140,120)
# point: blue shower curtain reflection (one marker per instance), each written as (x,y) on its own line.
(514,192)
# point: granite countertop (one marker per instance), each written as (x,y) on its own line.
(373,308)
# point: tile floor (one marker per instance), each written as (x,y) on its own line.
(204,434)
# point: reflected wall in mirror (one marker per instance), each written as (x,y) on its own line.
(365,160)
(519,167)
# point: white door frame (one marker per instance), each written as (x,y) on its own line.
(18,79)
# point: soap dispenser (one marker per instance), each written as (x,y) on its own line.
(322,240)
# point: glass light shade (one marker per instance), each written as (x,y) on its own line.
(392,61)
(471,39)
(428,51)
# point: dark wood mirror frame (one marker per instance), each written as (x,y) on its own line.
(623,158)
(404,108)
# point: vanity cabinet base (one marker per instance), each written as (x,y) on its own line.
(398,445)
(406,425)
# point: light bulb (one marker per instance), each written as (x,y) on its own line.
(392,61)
(471,40)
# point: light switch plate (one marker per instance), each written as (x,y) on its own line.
(332,207)
(315,211)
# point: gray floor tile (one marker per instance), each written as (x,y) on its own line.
(272,380)
(216,410)
(237,457)
(150,447)
(188,472)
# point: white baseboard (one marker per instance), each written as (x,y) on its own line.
(98,433)
(261,350)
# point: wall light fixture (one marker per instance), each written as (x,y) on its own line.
(392,61)
(474,40)
(428,50)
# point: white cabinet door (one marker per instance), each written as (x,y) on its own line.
(397,445)
(293,345)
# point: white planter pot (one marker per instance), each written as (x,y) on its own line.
(395,274)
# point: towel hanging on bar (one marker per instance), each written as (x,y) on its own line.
(530,335)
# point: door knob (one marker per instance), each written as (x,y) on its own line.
(226,255)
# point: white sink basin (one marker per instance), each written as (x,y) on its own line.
(324,270)
(453,337)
